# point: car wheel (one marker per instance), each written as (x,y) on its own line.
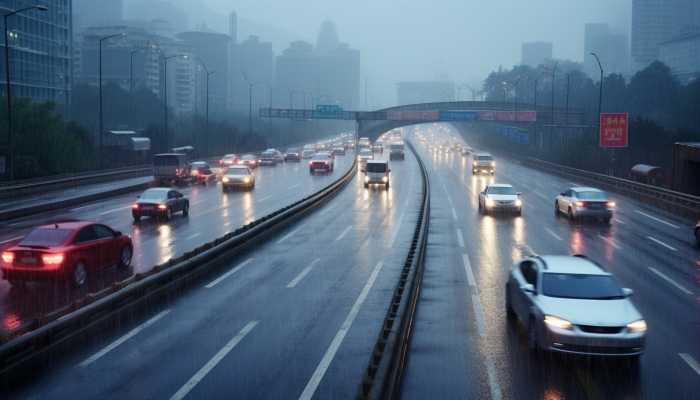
(186,210)
(125,256)
(168,214)
(137,218)
(387,185)
(79,274)
(556,209)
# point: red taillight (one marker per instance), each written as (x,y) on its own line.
(135,206)
(52,259)
(162,206)
(195,173)
(8,257)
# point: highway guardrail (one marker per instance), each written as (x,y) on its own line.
(382,378)
(56,333)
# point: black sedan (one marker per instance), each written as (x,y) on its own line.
(160,203)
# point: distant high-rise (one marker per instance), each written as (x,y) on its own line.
(682,55)
(611,48)
(327,40)
(233,27)
(657,21)
(253,62)
(296,74)
(536,53)
(88,13)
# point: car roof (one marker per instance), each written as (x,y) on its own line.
(157,190)
(585,189)
(483,154)
(572,265)
(377,162)
(66,225)
(500,185)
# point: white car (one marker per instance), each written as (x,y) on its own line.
(570,304)
(364,155)
(377,173)
(584,202)
(498,197)
(238,176)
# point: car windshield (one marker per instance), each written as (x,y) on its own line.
(580,286)
(500,190)
(46,237)
(591,195)
(237,171)
(376,167)
(153,195)
(484,158)
(365,152)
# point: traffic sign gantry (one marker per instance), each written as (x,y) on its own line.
(337,112)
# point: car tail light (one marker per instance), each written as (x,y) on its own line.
(8,257)
(610,204)
(52,259)
(135,206)
(195,173)
(162,206)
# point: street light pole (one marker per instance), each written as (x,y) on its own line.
(8,87)
(100,134)
(600,94)
(554,72)
(515,98)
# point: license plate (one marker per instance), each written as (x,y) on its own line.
(147,207)
(28,260)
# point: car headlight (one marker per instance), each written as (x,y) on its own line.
(610,204)
(518,203)
(385,179)
(489,202)
(366,179)
(225,180)
(557,322)
(246,180)
(474,164)
(493,163)
(638,326)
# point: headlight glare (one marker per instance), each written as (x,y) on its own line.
(638,326)
(557,322)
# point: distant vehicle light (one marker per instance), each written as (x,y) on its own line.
(493,163)
(489,202)
(225,179)
(246,180)
(195,173)
(162,206)
(366,179)
(518,203)
(637,326)
(385,179)
(135,206)
(611,204)
(557,322)
(474,163)
(580,204)
(52,259)
(8,257)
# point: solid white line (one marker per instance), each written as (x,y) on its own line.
(671,281)
(657,241)
(123,339)
(619,221)
(114,210)
(187,387)
(691,362)
(302,274)
(11,239)
(478,314)
(468,270)
(610,242)
(84,207)
(322,367)
(460,238)
(551,232)
(260,200)
(194,235)
(493,381)
(657,219)
(342,234)
(229,273)
(454,214)
(287,236)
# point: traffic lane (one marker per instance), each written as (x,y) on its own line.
(495,253)
(70,193)
(155,242)
(295,324)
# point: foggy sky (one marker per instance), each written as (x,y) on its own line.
(462,40)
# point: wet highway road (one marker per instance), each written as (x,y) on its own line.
(212,214)
(463,346)
(295,318)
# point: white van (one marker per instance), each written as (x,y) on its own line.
(377,173)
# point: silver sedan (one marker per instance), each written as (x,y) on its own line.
(584,202)
(569,304)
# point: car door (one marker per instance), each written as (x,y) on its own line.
(86,248)
(564,201)
(173,201)
(106,246)
(526,274)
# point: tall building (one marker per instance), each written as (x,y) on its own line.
(536,53)
(425,91)
(97,13)
(611,48)
(253,62)
(41,46)
(682,55)
(213,50)
(657,21)
(296,75)
(339,77)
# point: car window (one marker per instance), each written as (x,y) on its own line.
(103,232)
(376,167)
(86,234)
(580,286)
(153,195)
(46,237)
(591,195)
(500,190)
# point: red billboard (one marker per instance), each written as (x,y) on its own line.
(614,130)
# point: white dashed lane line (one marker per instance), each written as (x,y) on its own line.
(671,281)
(657,241)
(659,220)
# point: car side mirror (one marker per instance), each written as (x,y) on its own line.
(562,193)
(528,288)
(389,170)
(627,292)
(519,194)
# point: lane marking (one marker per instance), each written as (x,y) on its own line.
(302,274)
(294,186)
(658,219)
(11,239)
(84,207)
(551,232)
(342,234)
(478,313)
(287,236)
(187,387)
(690,361)
(260,200)
(460,238)
(468,270)
(619,221)
(229,273)
(454,213)
(493,381)
(657,241)
(610,242)
(192,236)
(322,367)
(114,210)
(123,339)
(671,281)
(395,234)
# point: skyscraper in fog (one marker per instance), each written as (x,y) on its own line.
(611,48)
(87,13)
(536,53)
(657,21)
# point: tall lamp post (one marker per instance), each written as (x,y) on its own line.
(515,98)
(206,103)
(165,95)
(100,134)
(8,86)
(600,94)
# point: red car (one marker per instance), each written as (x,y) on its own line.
(68,251)
(321,162)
